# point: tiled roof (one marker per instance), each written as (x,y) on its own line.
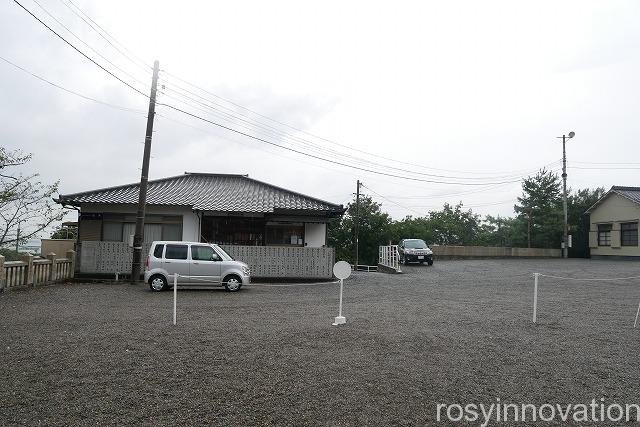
(631,193)
(207,192)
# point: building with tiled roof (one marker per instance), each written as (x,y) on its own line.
(613,231)
(232,210)
(220,208)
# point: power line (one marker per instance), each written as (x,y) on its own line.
(69,90)
(605,163)
(146,67)
(391,201)
(322,158)
(605,168)
(79,51)
(325,139)
(318,149)
(104,33)
(86,44)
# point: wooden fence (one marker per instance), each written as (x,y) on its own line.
(32,272)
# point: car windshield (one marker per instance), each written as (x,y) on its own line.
(223,254)
(415,244)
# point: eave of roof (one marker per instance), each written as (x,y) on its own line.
(207,192)
(622,191)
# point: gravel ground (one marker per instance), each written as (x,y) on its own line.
(457,332)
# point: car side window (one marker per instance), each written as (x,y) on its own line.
(157,252)
(176,252)
(204,253)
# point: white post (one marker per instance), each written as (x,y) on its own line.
(535,296)
(175,296)
(340,308)
(638,312)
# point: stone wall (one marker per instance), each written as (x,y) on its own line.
(455,252)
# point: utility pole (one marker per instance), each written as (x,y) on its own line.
(565,237)
(138,237)
(18,236)
(357,224)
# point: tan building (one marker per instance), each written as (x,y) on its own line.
(613,229)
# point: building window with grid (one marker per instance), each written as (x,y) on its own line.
(604,234)
(629,234)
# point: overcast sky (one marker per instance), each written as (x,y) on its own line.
(473,91)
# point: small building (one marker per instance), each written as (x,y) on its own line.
(613,224)
(254,221)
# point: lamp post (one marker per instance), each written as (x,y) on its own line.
(565,238)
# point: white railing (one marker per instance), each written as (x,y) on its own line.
(32,272)
(389,257)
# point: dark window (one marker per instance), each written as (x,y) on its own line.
(203,253)
(233,231)
(112,231)
(176,252)
(119,227)
(285,234)
(157,252)
(629,234)
(604,234)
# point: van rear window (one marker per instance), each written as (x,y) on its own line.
(157,252)
(176,252)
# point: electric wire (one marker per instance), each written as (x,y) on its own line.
(111,40)
(321,138)
(79,51)
(322,158)
(100,32)
(87,45)
(146,67)
(322,150)
(71,91)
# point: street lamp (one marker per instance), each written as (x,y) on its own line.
(565,238)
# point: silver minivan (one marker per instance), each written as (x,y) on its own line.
(197,264)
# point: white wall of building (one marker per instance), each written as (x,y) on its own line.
(315,234)
(190,227)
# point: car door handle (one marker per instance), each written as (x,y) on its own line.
(196,263)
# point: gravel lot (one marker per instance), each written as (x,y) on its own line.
(457,332)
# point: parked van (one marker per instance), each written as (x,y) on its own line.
(197,264)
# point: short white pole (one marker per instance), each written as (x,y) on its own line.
(638,312)
(340,308)
(116,277)
(535,296)
(175,296)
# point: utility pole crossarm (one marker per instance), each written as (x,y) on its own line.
(138,238)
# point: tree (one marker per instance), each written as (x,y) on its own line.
(577,205)
(541,208)
(65,232)
(453,226)
(25,202)
(374,230)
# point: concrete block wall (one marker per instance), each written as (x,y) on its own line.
(454,252)
(264,261)
(285,262)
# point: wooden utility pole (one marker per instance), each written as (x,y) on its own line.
(138,238)
(357,223)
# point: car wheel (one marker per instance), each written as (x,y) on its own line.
(158,283)
(430,263)
(232,283)
(406,261)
